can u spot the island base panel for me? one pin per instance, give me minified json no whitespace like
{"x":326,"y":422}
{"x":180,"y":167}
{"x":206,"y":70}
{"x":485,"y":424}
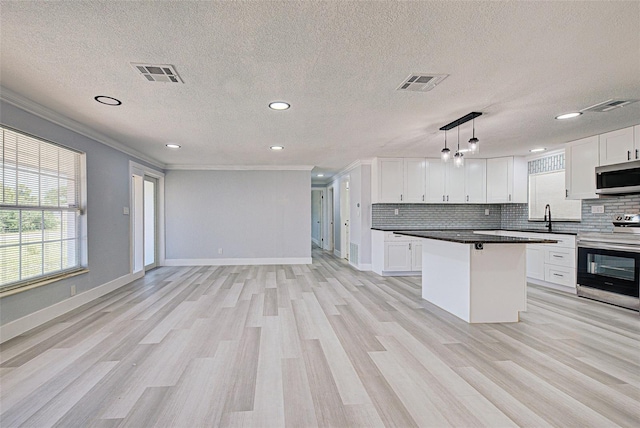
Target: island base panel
{"x":478,"y":286}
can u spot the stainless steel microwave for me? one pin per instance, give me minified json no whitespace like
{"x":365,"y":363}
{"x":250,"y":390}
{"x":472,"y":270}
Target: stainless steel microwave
{"x":618,"y":179}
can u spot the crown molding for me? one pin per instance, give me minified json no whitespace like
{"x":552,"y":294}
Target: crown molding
{"x":186,"y":167}
{"x":546,"y":154}
{"x":34,"y":108}
{"x":346,"y":170}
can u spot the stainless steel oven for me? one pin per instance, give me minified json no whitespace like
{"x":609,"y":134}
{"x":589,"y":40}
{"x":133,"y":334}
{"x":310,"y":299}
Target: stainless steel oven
{"x":609,"y":263}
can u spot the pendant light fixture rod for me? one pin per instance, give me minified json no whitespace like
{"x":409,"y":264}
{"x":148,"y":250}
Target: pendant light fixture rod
{"x":460,"y":121}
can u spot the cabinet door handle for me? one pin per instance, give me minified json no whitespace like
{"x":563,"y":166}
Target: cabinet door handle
{"x":447,"y":198}
{"x":400,"y":197}
{"x":442,"y":198}
{"x":467,"y":198}
{"x":509,"y":197}
{"x":557,"y":274}
{"x":422,"y":198}
{"x":628,"y":154}
{"x":560,"y":257}
{"x":566,"y":193}
{"x":636,"y":153}
{"x":409,"y":246}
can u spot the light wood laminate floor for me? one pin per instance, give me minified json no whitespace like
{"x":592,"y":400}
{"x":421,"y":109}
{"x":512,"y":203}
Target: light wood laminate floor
{"x":318,"y":345}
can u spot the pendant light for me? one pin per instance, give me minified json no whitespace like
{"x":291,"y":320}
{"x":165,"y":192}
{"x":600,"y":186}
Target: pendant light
{"x":473,"y":142}
{"x":445,"y":154}
{"x":458,"y":160}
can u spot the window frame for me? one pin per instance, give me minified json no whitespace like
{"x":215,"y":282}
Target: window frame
{"x":79,"y":209}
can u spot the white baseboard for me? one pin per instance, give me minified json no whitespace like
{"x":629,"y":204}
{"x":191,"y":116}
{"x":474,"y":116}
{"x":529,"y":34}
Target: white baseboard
{"x":566,"y":289}
{"x":239,"y":261}
{"x":362,"y":267}
{"x":315,"y":241}
{"x":337,"y":253}
{"x":28,"y":322}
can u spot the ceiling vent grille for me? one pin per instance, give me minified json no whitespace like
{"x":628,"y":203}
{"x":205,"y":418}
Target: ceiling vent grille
{"x":608,"y":105}
{"x":421,"y":82}
{"x":157,"y":72}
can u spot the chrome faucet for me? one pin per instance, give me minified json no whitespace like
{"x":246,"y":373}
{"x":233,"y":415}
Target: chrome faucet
{"x":547,"y":208}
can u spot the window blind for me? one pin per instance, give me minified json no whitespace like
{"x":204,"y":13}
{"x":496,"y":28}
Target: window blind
{"x":39,"y":209}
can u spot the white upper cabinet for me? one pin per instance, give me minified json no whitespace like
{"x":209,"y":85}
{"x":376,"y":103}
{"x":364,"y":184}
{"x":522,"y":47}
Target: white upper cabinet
{"x":507,"y":180}
{"x":618,"y":147}
{"x":436,"y":192}
{"x":454,"y":183}
{"x":581,"y":160}
{"x":475,"y":171}
{"x":389,"y":173}
{"x":445,"y":182}
{"x":414,"y":180}
{"x":398,"y":180}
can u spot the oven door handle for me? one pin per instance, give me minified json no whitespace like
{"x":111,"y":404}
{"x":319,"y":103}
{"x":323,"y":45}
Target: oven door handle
{"x":607,"y":246}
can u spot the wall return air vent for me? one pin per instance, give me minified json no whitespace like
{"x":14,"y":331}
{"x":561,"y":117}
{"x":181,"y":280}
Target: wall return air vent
{"x":608,"y":105}
{"x":421,"y":82}
{"x":157,"y":72}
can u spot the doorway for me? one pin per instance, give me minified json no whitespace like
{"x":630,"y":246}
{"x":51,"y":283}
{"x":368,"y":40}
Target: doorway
{"x":317,"y":197}
{"x":330,"y":220}
{"x":344,"y":219}
{"x":147,"y":218}
{"x":150,"y":211}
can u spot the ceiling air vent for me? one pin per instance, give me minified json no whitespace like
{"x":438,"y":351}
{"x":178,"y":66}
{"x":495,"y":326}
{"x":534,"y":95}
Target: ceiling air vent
{"x":158,"y":72}
{"x":421,"y":82}
{"x":608,"y":105}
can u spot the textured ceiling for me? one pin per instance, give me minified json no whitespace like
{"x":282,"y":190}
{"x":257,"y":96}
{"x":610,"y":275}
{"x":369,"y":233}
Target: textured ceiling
{"x":337,"y":63}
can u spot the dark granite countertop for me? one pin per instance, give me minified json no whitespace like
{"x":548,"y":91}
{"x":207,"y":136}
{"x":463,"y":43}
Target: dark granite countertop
{"x":397,"y":229}
{"x":468,"y":237}
{"x":558,"y":232}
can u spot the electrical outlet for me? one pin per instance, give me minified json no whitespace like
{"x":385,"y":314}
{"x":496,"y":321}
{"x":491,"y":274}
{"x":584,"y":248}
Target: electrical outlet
{"x":125,"y":210}
{"x":597,"y":209}
{"x":395,"y":211}
{"x":486,"y":211}
{"x":73,"y":290}
{"x":219,"y":250}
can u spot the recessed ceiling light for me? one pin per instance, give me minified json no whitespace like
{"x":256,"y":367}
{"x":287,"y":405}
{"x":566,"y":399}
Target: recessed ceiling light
{"x":173,"y":146}
{"x":320,"y":175}
{"x":279,"y":105}
{"x":541,"y":149}
{"x":276,"y":148}
{"x":110,"y":101}
{"x":569,"y":115}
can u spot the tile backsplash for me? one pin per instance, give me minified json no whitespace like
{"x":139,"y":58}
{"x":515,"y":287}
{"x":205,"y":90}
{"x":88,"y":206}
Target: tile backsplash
{"x":501,"y":216}
{"x":436,"y":216}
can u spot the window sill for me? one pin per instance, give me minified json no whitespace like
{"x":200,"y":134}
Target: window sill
{"x":31,"y":286}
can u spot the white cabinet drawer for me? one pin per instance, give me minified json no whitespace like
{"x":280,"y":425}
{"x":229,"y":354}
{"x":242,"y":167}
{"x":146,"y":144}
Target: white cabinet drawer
{"x":392,"y":237}
{"x":560,"y":275}
{"x":559,"y":256}
{"x":563,"y":240}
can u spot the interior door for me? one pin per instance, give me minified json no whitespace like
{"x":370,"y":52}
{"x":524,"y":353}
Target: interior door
{"x":316,"y":217}
{"x":150,"y":223}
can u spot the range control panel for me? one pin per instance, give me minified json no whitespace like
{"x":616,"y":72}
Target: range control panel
{"x":626,"y":220}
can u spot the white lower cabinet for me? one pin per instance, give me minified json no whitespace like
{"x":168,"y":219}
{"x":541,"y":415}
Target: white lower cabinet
{"x":416,"y":255}
{"x":395,"y":254}
{"x":550,"y":264}
{"x":560,"y":275}
{"x":535,"y":261}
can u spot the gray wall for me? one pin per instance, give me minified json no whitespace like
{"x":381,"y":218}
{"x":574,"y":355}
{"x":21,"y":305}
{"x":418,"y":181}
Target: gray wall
{"x":360,"y":215}
{"x":107,"y":227}
{"x":249,"y":214}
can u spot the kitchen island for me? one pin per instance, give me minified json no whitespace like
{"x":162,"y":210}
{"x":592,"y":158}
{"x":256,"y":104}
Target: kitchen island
{"x":478,"y":278}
